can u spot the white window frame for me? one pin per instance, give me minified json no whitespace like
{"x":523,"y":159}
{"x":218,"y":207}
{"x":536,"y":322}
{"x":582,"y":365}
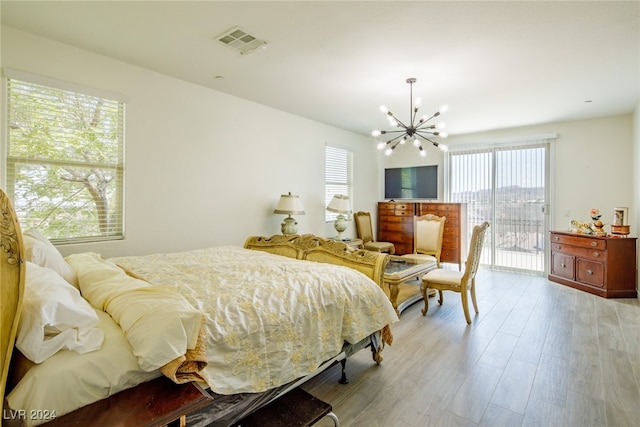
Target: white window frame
{"x":114,"y":165}
{"x":338,"y":177}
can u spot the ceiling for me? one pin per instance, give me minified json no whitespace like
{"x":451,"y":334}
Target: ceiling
{"x":496,"y":64}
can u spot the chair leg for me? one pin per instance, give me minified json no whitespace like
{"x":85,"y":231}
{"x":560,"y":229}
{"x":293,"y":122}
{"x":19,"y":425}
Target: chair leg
{"x":425,"y":296}
{"x":473,"y":295}
{"x":465,"y":304}
{"x":441,"y":299}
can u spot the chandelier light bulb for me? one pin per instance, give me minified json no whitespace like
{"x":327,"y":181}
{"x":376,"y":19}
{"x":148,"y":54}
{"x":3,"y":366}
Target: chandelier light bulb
{"x":416,"y":143}
{"x":443,"y":109}
{"x":388,"y":151}
{"x":384,"y":109}
{"x":441,"y":125}
{"x":403,"y":140}
{"x":381,"y":145}
{"x":443,"y":134}
{"x":417,"y":103}
{"x":443,"y":147}
{"x":376,"y":133}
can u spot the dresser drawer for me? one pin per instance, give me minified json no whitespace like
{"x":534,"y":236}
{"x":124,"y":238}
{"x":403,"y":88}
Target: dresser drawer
{"x":450,"y":255}
{"x":583,"y":241}
{"x":395,"y":236}
{"x":580,"y":251}
{"x":590,"y":272}
{"x":450,"y":242}
{"x":403,"y":219}
{"x":386,"y":207}
{"x":426,"y":208}
{"x":405,"y":226}
{"x":403,"y":248}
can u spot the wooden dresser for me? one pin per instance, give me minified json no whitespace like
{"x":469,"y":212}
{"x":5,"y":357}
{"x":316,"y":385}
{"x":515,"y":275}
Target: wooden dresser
{"x":395,"y":225}
{"x":604,"y":266}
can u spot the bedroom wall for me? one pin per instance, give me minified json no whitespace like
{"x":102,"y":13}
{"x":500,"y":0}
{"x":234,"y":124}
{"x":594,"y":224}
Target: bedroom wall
{"x":202,"y":168}
{"x":591,"y":164}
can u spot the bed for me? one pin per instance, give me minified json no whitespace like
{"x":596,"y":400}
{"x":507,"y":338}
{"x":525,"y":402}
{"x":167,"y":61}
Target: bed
{"x":249,"y":323}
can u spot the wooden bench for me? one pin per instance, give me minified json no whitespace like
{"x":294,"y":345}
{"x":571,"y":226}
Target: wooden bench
{"x":296,"y":408}
{"x":155,"y":403}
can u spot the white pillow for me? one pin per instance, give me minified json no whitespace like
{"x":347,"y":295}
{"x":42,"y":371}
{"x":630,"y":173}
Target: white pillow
{"x":54,"y":316}
{"x":39,"y":250}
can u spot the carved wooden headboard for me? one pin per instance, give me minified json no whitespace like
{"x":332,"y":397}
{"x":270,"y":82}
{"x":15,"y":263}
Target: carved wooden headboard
{"x":313,"y":248}
{"x":12,"y":276}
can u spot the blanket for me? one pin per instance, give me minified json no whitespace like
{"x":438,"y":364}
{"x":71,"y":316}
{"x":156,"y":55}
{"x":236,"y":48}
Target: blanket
{"x":270,"y":319}
{"x":165,"y":331}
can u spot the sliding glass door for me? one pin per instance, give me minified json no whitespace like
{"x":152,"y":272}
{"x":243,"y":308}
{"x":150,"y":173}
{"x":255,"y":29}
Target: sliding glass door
{"x":506,"y":185}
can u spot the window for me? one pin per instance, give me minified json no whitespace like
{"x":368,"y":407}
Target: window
{"x":338,"y":177}
{"x":65,"y":161}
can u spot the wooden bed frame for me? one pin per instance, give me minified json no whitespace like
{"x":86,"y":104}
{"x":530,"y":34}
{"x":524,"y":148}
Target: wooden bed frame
{"x":12,"y":274}
{"x":12,"y":277}
{"x":313,"y":248}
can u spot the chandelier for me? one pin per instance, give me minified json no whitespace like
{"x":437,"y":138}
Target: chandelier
{"x":415,"y":130}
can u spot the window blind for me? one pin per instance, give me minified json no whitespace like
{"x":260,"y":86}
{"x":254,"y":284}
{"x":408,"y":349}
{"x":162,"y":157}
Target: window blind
{"x":338,"y":176}
{"x":506,"y":185}
{"x":65,"y":161}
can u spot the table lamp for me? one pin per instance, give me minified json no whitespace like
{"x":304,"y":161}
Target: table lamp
{"x":340,"y":205}
{"x":289,"y":205}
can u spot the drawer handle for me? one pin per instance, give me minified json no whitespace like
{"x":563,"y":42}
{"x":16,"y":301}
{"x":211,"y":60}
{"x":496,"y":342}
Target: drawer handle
{"x":594,"y":243}
{"x":596,"y":254}
{"x":563,"y":265}
{"x":589,"y":272}
{"x":556,"y":238}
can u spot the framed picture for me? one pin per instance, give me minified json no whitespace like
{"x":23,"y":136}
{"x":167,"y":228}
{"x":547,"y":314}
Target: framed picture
{"x":620,"y":216}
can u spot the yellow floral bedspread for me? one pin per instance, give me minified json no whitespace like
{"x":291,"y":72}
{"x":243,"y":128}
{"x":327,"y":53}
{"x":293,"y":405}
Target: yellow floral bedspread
{"x":270,"y":319}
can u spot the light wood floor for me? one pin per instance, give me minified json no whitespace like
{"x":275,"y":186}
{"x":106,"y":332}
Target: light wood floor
{"x":537,"y":354}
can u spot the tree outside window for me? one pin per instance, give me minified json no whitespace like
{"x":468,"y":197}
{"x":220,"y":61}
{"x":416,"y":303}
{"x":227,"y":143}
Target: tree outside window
{"x":65,"y":162}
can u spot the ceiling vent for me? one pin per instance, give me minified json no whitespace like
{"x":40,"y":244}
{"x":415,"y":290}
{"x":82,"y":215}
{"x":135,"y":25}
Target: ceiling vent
{"x":241,"y":41}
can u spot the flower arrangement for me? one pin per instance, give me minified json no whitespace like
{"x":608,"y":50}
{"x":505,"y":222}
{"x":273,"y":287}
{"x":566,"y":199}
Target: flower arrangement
{"x":595,"y":214}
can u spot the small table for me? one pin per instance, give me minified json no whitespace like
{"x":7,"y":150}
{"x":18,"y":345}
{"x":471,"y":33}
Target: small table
{"x":398,"y":273}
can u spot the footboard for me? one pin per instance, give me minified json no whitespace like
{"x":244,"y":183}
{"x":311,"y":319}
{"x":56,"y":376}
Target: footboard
{"x":313,"y":248}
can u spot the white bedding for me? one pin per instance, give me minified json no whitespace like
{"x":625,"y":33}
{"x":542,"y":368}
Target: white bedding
{"x":270,"y":319}
{"x":50,"y":389}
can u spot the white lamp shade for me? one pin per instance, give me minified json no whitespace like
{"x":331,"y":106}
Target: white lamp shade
{"x":339,"y":204}
{"x":289,"y":205}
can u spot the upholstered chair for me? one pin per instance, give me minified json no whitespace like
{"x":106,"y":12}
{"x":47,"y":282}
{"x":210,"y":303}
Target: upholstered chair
{"x":453,"y":280}
{"x":427,"y":238}
{"x":365,"y":233}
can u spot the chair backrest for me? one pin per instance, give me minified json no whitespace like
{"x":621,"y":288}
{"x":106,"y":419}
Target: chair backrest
{"x":363,"y":226}
{"x":427,"y":234}
{"x":475,"y":250}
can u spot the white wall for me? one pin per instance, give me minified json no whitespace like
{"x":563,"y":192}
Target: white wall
{"x":591,"y":166}
{"x":202,"y":168}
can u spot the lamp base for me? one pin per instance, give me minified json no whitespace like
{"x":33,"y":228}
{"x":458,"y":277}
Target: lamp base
{"x":289,"y":226}
{"x":340,"y":225}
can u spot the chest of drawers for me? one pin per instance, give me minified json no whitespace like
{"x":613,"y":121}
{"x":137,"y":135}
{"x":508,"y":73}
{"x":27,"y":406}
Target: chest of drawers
{"x":604,"y":266}
{"x":395,"y":225}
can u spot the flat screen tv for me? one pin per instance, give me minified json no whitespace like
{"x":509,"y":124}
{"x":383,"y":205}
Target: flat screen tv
{"x":418,"y":182}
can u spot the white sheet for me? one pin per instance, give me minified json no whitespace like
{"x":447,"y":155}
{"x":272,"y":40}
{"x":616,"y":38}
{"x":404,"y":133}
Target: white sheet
{"x":68,"y":380}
